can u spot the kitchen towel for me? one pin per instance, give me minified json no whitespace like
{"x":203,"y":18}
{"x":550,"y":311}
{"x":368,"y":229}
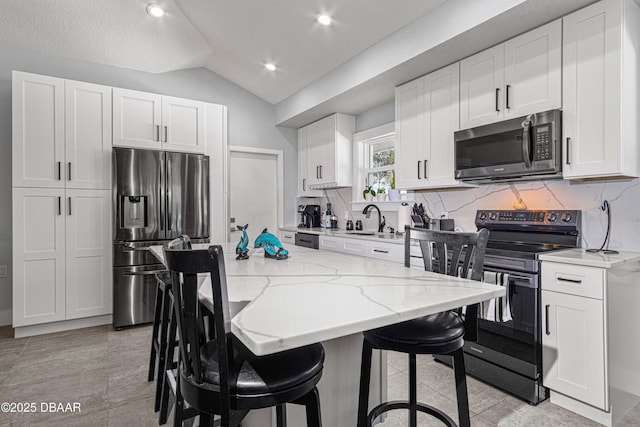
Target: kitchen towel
{"x":497,"y":309}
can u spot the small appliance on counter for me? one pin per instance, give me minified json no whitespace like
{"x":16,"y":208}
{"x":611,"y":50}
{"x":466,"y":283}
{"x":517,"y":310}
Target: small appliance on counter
{"x":349,"y":225}
{"x":310,"y":215}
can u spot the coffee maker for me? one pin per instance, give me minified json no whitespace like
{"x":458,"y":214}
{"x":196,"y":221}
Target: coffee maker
{"x":310,"y":216}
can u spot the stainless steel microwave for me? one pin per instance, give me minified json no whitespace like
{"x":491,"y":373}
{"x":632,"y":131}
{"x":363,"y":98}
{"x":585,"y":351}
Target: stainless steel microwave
{"x":519,"y":149}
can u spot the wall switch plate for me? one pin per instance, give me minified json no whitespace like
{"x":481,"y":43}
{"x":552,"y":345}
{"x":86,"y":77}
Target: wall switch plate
{"x":3,"y":271}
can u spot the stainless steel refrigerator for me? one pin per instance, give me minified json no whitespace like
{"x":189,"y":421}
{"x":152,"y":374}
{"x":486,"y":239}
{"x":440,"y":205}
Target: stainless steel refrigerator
{"x":157,"y":196}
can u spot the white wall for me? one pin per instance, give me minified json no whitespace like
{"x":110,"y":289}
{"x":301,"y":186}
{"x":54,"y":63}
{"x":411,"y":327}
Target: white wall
{"x":251,"y":123}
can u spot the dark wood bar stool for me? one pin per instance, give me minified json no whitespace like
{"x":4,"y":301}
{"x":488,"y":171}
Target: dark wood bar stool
{"x":221,"y":376}
{"x":454,"y":254}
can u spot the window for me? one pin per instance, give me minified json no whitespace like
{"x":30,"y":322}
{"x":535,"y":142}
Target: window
{"x":379,"y":162}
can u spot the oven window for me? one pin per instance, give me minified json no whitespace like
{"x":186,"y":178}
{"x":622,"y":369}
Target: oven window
{"x":493,"y":150}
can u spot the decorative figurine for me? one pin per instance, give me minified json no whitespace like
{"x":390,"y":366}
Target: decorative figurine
{"x":271,"y":245}
{"x":241,"y":248}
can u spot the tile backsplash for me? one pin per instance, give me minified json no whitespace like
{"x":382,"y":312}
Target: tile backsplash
{"x":623,"y":197}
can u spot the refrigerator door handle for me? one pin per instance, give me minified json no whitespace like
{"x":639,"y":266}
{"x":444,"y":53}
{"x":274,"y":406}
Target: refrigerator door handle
{"x":169,"y":192}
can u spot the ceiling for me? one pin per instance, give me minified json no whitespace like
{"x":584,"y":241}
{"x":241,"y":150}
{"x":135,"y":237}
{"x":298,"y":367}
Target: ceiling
{"x":229,"y":37}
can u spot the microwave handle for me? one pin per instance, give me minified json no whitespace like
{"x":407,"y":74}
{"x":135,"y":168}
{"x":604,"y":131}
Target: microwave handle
{"x":526,"y":144}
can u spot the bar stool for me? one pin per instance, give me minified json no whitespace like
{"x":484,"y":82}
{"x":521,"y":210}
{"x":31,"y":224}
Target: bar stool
{"x":159,"y":334}
{"x":454,"y":254}
{"x":221,"y":376}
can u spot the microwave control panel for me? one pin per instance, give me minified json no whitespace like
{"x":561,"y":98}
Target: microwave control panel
{"x":543,"y":142}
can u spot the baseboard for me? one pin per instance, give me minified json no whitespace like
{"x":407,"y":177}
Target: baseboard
{"x":6,"y":317}
{"x":65,"y":325}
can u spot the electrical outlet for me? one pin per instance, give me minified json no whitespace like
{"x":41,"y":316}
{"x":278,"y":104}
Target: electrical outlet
{"x":3,"y":271}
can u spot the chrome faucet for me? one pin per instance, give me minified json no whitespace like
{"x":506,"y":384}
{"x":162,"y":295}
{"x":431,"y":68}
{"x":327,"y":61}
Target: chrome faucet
{"x":381,"y":219}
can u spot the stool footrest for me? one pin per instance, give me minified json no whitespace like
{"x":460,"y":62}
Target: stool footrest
{"x":404,"y":404}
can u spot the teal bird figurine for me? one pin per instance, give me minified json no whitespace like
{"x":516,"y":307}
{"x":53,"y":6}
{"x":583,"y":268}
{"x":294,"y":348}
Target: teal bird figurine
{"x":241,"y":249}
{"x":271,"y":245}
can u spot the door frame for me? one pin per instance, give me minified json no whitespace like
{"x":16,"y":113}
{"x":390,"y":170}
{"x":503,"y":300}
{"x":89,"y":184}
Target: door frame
{"x":279,"y":154}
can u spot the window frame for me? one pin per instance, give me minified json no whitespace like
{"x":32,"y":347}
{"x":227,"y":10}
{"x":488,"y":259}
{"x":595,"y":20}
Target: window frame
{"x":361,"y":141}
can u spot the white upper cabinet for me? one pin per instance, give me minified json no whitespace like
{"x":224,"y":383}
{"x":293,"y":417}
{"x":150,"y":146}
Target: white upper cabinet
{"x":61,"y":133}
{"x":533,"y":71}
{"x":600,"y":91}
{"x":330,"y":152}
{"x":87,"y":136}
{"x":515,"y":78}
{"x":427,"y":115}
{"x":148,"y":120}
{"x":38,"y":130}
{"x":303,"y":164}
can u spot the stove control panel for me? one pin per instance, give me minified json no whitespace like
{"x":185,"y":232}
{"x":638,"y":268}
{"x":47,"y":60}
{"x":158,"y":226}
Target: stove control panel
{"x":521,"y":219}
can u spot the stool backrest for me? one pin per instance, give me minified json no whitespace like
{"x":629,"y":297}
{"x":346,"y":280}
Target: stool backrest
{"x":454,"y":254}
{"x":184,"y":266}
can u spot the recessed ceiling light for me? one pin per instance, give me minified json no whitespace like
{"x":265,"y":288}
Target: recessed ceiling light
{"x":155,"y":10}
{"x":324,"y":19}
{"x":269,"y":66}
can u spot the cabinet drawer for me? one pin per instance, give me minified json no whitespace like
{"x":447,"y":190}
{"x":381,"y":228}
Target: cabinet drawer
{"x":329,"y":243}
{"x":385,"y":251}
{"x":288,"y":237}
{"x":573,"y":279}
{"x":352,"y":246}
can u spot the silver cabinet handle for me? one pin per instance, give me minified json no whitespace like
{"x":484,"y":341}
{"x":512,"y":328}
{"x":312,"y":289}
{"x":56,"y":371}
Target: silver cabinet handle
{"x":564,"y":279}
{"x":59,"y":171}
{"x":157,"y":136}
{"x":69,"y":206}
{"x":547,"y":329}
{"x":59,"y":205}
{"x":419,"y":169}
{"x":69,"y":168}
{"x":166,"y":134}
{"x":380,"y":251}
{"x":568,"y":152}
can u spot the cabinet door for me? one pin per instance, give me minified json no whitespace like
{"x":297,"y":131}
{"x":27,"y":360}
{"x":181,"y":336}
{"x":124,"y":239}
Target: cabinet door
{"x":38,"y":256}
{"x":410,"y":139}
{"x":318,"y":138}
{"x":328,"y":243}
{"x":481,"y":87}
{"x":327,"y":149}
{"x":136,"y":119}
{"x":591,"y":91}
{"x":89,"y":281}
{"x":442,"y":119}
{"x":38,"y":130}
{"x":182,"y":125}
{"x":573,"y":347}
{"x":88,"y":135}
{"x":533,"y":77}
{"x":303,"y":165}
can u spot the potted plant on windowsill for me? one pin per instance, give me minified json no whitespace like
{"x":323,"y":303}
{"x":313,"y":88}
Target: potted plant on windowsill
{"x":394,"y":195}
{"x":369,"y":193}
{"x":381,"y":195}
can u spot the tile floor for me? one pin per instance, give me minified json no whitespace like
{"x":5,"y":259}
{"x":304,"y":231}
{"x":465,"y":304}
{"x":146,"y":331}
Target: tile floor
{"x":106,"y":371}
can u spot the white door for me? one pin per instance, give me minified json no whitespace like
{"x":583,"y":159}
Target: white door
{"x":591,"y":91}
{"x":442,"y":119}
{"x":38,"y":256}
{"x":481,"y":86}
{"x":38,"y":130}
{"x":136,"y":119}
{"x":410,"y":143}
{"x":88,"y":135}
{"x":573,"y":347}
{"x":88,"y":253}
{"x":253,"y":193}
{"x":533,"y":75}
{"x":182,"y":125}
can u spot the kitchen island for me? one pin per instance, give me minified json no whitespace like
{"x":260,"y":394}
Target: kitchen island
{"x":317,"y":296}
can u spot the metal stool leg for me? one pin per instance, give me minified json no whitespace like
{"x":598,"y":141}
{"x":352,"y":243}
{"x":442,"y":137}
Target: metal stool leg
{"x":281,"y":415}
{"x":365,"y":380}
{"x":162,"y":352}
{"x":169,"y":364}
{"x":413,"y":399}
{"x":154,"y":334}
{"x":461,"y":388}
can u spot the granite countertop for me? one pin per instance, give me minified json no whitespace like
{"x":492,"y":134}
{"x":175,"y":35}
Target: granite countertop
{"x":590,"y":259}
{"x":315,"y":296}
{"x":375,"y":236}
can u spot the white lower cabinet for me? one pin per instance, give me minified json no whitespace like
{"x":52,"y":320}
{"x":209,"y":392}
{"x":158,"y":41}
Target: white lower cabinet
{"x":358,"y":247}
{"x":61,"y":255}
{"x":385,"y":251}
{"x":352,"y":247}
{"x":288,"y":237}
{"x":329,"y":243}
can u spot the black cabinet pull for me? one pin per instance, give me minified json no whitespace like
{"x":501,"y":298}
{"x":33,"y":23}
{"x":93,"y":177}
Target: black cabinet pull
{"x":546,"y":311}
{"x":380,"y":251}
{"x":69,"y":171}
{"x":166,"y":134}
{"x":507,"y":103}
{"x":59,"y":205}
{"x":564,"y":279}
{"x":497,"y":98}
{"x":59,"y":171}
{"x":304,"y":184}
{"x":419,"y":169}
{"x":425,"y":169}
{"x":568,"y":152}
{"x":157,"y":137}
{"x":69,"y":206}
